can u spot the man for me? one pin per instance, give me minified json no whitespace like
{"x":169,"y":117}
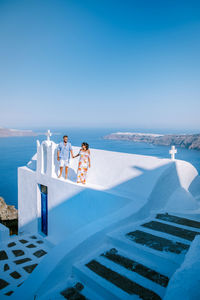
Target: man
{"x":63,"y":155}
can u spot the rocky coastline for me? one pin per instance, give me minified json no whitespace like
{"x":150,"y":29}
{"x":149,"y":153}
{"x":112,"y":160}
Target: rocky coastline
{"x":9,"y":216}
{"x":188,"y":141}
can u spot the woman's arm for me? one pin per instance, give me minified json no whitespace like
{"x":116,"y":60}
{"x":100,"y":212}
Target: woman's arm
{"x":77,"y":154}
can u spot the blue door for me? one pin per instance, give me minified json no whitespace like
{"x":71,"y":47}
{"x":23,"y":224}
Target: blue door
{"x":44,"y":209}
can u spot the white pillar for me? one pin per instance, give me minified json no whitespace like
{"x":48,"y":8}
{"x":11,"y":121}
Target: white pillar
{"x":45,"y":156}
{"x":39,"y":157}
{"x":50,"y":159}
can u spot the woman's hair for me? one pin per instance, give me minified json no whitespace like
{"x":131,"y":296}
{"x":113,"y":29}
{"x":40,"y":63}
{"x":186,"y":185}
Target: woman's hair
{"x":86,"y":145}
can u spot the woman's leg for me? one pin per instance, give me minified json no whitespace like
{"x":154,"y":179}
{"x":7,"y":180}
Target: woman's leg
{"x":84,"y":174}
{"x":78,"y":176}
{"x":79,"y":172}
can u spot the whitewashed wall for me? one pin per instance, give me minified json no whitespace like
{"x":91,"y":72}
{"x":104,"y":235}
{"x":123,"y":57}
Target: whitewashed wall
{"x":114,"y":180}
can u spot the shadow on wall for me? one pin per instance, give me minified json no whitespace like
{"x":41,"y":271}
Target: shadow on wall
{"x":147,"y":192}
{"x":90,"y":205}
{"x":169,"y":195}
{"x":166,"y":185}
{"x":194,"y":188}
{"x":140,"y":186}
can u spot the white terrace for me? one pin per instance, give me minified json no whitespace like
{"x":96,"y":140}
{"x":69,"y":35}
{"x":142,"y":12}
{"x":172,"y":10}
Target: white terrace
{"x":82,"y":232}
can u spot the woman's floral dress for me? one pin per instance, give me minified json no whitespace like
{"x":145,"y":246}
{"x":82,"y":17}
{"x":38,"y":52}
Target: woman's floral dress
{"x":83,"y":166}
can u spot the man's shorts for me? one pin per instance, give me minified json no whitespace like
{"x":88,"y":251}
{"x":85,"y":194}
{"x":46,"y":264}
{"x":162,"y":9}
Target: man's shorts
{"x":64,"y":163}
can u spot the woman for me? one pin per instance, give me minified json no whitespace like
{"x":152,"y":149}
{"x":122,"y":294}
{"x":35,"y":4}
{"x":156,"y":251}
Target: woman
{"x":84,"y":163}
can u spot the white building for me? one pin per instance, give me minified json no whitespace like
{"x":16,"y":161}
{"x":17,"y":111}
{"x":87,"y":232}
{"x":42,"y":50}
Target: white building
{"x":58,"y":207}
{"x":78,"y":223}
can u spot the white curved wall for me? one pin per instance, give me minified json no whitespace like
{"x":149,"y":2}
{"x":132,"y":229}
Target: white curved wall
{"x":146,"y":184}
{"x":113,"y":181}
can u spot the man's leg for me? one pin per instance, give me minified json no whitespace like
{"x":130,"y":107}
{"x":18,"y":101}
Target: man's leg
{"x":66,"y":172}
{"x":61,"y":169}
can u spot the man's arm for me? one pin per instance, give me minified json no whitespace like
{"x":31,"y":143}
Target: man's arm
{"x":58,"y":153}
{"x":72,"y":153}
{"x":70,"y":149}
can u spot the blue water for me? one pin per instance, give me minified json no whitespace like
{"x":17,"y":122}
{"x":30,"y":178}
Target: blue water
{"x":17,"y":151}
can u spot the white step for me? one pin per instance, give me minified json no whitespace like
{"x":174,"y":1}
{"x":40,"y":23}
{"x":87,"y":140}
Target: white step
{"x":55,"y":293}
{"x":149,"y":260}
{"x":177,"y":225}
{"x":101,"y":286}
{"x":162,"y":262}
{"x":163,"y":235}
{"x":143,"y":281}
{"x":90,"y":294}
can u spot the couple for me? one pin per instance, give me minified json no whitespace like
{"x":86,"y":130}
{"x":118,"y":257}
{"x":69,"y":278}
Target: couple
{"x":63,"y":156}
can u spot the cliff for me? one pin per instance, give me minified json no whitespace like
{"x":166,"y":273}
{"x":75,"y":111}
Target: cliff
{"x":9,"y":216}
{"x":7,"y":212}
{"x":189,"y":141}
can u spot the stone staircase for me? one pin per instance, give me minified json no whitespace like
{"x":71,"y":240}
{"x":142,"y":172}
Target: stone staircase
{"x":19,"y":256}
{"x":135,"y":262}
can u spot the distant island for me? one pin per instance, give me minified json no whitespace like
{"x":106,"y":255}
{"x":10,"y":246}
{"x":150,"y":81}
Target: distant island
{"x":5,"y":132}
{"x":189,"y":141}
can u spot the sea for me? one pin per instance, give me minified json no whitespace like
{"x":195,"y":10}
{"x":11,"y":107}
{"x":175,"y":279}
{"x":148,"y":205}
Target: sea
{"x":18,"y":151}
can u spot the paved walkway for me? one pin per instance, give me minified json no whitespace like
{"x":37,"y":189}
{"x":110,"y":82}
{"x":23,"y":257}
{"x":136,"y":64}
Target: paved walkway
{"x":134,"y":260}
{"x":19,"y":256}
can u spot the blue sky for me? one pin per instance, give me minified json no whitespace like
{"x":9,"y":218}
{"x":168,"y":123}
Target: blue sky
{"x":100,"y":63}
